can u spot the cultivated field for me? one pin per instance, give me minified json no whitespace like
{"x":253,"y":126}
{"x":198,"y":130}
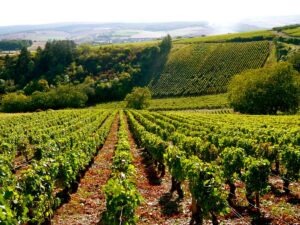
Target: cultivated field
{"x":197,"y":69}
{"x":68,"y":166}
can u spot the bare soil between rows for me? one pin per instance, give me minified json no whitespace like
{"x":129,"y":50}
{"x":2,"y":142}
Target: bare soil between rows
{"x":88,"y":203}
{"x":160,"y":207}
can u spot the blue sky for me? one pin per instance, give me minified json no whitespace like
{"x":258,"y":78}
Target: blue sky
{"x":15,"y":12}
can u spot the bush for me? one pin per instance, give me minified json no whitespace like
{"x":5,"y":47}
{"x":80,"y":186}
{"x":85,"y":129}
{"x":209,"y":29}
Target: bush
{"x":61,"y":97}
{"x":14,"y":102}
{"x":266,"y":90}
{"x":295,"y":61}
{"x":139,"y":98}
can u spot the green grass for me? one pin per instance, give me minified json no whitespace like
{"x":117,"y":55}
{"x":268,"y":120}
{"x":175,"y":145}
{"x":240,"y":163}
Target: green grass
{"x":183,"y":103}
{"x":295,"y":32}
{"x":199,"y":102}
{"x":227,"y":37}
{"x":206,"y":68}
{"x":112,"y":105}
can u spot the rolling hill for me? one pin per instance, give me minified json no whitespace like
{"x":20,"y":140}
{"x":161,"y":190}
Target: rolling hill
{"x":206,"y":68}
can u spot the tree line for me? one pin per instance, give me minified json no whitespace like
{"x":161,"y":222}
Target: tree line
{"x":98,"y":73}
{"x":14,"y":45}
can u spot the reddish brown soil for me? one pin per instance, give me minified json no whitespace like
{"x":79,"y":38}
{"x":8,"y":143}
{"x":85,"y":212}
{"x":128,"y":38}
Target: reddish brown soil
{"x":88,"y":202}
{"x":159,"y":207}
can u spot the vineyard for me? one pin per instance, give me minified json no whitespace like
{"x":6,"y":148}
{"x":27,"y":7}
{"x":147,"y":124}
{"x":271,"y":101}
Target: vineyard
{"x":206,"y":68}
{"x":96,"y":166}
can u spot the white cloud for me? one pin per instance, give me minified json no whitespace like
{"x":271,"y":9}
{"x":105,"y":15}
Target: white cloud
{"x":53,"y":11}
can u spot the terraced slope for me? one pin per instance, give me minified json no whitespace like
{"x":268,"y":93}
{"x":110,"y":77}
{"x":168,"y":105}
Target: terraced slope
{"x":206,"y":68}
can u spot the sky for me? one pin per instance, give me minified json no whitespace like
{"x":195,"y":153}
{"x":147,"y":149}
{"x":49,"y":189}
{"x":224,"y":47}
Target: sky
{"x":21,"y":12}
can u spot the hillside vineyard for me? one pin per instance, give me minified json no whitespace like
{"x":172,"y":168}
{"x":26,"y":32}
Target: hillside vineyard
{"x":206,"y":68}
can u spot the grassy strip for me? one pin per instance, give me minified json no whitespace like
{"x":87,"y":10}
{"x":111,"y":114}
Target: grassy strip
{"x":200,"y":102}
{"x":219,"y":101}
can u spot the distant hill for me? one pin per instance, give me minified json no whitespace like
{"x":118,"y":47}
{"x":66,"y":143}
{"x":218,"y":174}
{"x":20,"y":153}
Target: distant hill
{"x":180,"y":67}
{"x":206,"y":68}
{"x":133,"y":32}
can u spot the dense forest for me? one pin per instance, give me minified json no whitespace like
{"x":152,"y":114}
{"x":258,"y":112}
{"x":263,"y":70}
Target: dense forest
{"x":83,"y":74}
{"x":13,"y":45}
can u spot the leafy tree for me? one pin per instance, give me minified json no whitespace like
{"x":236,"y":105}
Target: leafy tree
{"x":24,"y":66}
{"x":12,"y":45}
{"x":8,"y":69}
{"x":55,"y":58}
{"x":166,"y":44}
{"x":265,"y":90}
{"x":14,"y":102}
{"x":41,"y":85}
{"x":139,"y":98}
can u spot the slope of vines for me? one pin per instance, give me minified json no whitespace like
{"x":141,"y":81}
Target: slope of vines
{"x":219,"y":150}
{"x":196,"y":69}
{"x":42,"y":156}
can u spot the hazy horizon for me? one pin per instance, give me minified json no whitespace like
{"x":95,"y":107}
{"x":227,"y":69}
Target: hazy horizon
{"x":33,"y":12}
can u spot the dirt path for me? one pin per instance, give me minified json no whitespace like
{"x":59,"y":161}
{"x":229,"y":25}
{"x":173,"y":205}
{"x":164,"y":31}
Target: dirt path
{"x":87,"y":204}
{"x":158,"y":207}
{"x":281,"y":34}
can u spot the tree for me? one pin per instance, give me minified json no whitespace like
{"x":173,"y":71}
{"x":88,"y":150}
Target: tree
{"x":14,"y":102}
{"x":266,"y":90}
{"x":139,"y":98}
{"x":166,"y":44}
{"x":24,"y":66}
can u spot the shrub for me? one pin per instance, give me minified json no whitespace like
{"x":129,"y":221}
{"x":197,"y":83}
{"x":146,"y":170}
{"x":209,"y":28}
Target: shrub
{"x":139,"y":98}
{"x":266,"y":90}
{"x":14,"y":102}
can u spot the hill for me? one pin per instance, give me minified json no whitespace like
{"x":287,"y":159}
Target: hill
{"x":133,"y":32}
{"x":206,"y":68}
{"x":88,"y":74}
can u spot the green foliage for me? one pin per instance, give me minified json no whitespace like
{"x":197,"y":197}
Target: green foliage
{"x":166,"y":44}
{"x":40,"y":85}
{"x":205,"y":183}
{"x":182,"y":103}
{"x":7,"y":216}
{"x":175,"y":160}
{"x":206,"y":68}
{"x":139,"y":98}
{"x":66,"y":145}
{"x":122,"y":197}
{"x":295,"y":61}
{"x":291,"y":161}
{"x":13,"y":45}
{"x":232,"y":162}
{"x":293,"y":30}
{"x":65,"y":96}
{"x":14,"y":102}
{"x":235,"y":37}
{"x":266,"y":90}
{"x":256,"y":174}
